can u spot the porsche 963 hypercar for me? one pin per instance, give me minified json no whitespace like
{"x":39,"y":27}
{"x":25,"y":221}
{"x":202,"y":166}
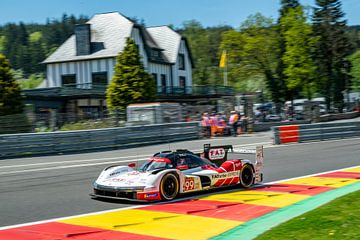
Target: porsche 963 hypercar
{"x":171,"y":173}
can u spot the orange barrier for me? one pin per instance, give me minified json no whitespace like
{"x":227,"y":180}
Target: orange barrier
{"x":289,"y":134}
{"x":217,"y":130}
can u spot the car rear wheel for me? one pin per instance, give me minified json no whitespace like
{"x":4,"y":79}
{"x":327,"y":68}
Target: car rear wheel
{"x":246,"y":176}
{"x":169,"y":187}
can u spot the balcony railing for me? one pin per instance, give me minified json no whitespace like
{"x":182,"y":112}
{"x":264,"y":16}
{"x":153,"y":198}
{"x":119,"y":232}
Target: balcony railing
{"x":93,"y":89}
{"x":195,"y":91}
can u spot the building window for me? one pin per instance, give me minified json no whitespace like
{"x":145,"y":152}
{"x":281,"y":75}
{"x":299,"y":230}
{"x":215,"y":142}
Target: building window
{"x":182,"y":82}
{"x":155,"y":53}
{"x":181,"y":62}
{"x":99,"y":78}
{"x":68,"y":80}
{"x":163,"y":83}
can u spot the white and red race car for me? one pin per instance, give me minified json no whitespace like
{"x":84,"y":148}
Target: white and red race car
{"x":171,"y":173}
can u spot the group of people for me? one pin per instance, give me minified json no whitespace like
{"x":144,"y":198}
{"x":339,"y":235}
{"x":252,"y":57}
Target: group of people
{"x":218,"y":124}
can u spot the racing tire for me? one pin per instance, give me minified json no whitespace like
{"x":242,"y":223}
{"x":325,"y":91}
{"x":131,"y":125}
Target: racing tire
{"x":247,"y":176}
{"x":169,"y":187}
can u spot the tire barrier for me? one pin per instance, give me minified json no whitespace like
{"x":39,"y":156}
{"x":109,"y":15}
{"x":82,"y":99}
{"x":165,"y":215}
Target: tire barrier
{"x":30,"y":144}
{"x":315,"y":132}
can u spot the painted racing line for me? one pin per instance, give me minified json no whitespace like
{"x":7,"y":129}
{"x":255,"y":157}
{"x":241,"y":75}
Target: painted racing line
{"x":240,"y":214}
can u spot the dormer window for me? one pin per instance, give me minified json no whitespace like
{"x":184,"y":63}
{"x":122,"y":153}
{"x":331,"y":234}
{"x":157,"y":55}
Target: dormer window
{"x":155,"y":53}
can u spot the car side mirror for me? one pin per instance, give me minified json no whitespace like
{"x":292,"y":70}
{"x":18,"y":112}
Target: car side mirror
{"x":132,"y":165}
{"x":182,"y":167}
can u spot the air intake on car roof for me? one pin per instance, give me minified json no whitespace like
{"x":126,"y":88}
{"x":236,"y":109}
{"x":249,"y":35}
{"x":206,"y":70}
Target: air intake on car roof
{"x":83,"y":39}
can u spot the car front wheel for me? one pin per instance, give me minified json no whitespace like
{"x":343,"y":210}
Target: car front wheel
{"x":169,"y":187}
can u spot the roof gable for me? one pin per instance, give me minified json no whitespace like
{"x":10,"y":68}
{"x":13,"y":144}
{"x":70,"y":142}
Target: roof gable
{"x":167,"y":39}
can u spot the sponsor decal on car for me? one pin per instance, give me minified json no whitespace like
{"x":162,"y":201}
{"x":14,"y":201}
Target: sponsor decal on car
{"x":225,"y":175}
{"x":217,"y":153}
{"x":117,"y":179}
{"x":151,"y":195}
{"x":117,"y":172}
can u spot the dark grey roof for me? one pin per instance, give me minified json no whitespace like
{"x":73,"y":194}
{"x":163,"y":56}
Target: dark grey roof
{"x":110,"y":31}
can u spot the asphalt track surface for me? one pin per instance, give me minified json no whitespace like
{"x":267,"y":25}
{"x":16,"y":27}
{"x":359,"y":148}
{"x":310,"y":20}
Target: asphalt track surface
{"x":40,"y":188}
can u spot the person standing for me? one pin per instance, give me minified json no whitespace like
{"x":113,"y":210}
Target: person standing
{"x":233,"y":122}
{"x":205,"y":124}
{"x":244,"y":124}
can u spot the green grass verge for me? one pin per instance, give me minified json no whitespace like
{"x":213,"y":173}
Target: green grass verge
{"x":339,"y":219}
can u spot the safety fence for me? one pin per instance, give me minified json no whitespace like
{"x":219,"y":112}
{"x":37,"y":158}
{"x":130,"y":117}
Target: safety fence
{"x":13,"y":145}
{"x":315,"y":132}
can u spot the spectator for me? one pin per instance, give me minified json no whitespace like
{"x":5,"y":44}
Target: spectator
{"x":244,"y":124}
{"x":233,"y":122}
{"x":205,"y":124}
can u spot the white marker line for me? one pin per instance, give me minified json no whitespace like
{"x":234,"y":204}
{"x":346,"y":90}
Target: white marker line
{"x":138,"y":206}
{"x":72,"y":161}
{"x":98,"y":159}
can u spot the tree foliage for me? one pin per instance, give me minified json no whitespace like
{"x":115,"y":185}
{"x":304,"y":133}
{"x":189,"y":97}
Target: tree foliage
{"x":355,"y":71}
{"x":204,"y":44}
{"x":299,"y":67}
{"x":332,"y":49}
{"x":10,"y":93}
{"x":27,"y":45}
{"x":253,"y":50}
{"x":281,"y":29}
{"x":130,"y":83}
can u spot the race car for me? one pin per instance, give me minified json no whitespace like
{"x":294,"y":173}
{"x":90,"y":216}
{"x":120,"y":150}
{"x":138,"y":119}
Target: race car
{"x":169,"y":174}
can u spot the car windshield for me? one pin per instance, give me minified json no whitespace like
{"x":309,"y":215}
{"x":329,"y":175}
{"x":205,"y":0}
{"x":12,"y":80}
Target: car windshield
{"x":153,"y":164}
{"x":208,"y":162}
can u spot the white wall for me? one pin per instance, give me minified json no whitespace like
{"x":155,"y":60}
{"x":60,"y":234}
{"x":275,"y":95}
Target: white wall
{"x":187,"y":73}
{"x":136,"y":36}
{"x":161,"y":69}
{"x":82,"y":69}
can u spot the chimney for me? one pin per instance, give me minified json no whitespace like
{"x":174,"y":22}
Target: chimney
{"x":83,"y":39}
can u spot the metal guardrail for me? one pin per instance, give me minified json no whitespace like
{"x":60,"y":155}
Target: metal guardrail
{"x":315,"y":132}
{"x":17,"y":145}
{"x":205,"y":90}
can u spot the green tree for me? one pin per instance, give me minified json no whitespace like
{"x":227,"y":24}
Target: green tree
{"x":130,"y":83}
{"x":2,"y":44}
{"x":300,"y":69}
{"x":281,"y":28}
{"x":37,"y":52}
{"x":10,"y":93}
{"x":253,"y":51}
{"x":332,"y":49}
{"x":204,"y":44}
{"x":32,"y":82}
{"x":355,"y":71}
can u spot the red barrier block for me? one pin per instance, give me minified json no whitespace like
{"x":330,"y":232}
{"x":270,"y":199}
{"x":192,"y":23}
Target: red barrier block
{"x":62,"y":231}
{"x":289,"y":134}
{"x":214,"y":209}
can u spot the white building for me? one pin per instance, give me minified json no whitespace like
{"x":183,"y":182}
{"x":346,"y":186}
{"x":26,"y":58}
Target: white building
{"x":88,"y":57}
{"x":78,"y":72}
